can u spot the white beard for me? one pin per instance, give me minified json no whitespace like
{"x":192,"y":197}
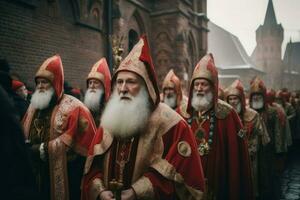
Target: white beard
{"x":238,"y":108}
{"x":170,"y":101}
{"x":125,"y":118}
{"x":41,"y":100}
{"x":92,"y":100}
{"x":201,"y":103}
{"x":256,"y":105}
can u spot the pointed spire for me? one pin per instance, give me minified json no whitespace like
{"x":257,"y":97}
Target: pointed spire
{"x":270,"y":18}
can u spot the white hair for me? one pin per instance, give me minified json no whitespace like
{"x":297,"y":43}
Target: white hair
{"x":202,"y":102}
{"x":171,"y":101}
{"x":125,"y":118}
{"x":257,"y":104}
{"x":92,"y":99}
{"x":41,"y":99}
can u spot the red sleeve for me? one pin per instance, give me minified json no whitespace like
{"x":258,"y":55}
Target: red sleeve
{"x":87,"y":179}
{"x":182,"y":164}
{"x":80,"y":130}
{"x":240,"y":184}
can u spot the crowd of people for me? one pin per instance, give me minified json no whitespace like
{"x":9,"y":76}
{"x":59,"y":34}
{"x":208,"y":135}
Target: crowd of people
{"x":127,"y":139}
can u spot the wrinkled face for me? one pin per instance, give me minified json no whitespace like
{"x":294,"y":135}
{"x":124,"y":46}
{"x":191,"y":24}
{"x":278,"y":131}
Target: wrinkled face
{"x":233,"y":100}
{"x":169,"y":90}
{"x":42,"y":84}
{"x":128,"y":85}
{"x":202,"y":86}
{"x":94,"y":84}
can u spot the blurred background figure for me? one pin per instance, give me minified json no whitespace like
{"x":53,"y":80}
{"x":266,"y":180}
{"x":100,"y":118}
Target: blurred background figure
{"x":16,"y":174}
{"x":6,"y":82}
{"x":20,"y":89}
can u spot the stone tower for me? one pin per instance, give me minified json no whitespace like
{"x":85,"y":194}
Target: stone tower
{"x":267,"y":53}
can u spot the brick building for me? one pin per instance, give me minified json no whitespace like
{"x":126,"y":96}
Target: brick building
{"x":79,"y":30}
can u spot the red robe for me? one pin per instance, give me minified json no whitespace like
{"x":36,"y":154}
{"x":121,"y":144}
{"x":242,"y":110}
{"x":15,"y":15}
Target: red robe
{"x":164,"y":161}
{"x":227,"y":165}
{"x":71,"y":126}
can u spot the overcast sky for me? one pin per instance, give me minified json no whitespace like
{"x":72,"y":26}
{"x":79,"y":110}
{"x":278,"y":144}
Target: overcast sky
{"x":242,"y":18}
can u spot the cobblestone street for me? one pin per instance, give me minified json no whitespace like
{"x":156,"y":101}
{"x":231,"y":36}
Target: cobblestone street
{"x":291,"y":176}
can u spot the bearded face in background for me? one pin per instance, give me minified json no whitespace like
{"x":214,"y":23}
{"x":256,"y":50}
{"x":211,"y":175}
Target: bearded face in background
{"x":170,"y":97}
{"x":93,"y":98}
{"x":128,"y":110}
{"x":202,"y":98}
{"x":257,"y":101}
{"x":43,"y":94}
{"x":235,"y":102}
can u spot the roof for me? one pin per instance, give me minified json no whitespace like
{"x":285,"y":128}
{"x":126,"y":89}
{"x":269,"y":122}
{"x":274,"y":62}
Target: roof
{"x":292,"y":56}
{"x":227,"y":49}
{"x":270,"y":18}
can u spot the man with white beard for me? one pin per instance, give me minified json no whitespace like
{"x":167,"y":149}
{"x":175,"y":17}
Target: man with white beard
{"x":172,"y":93}
{"x":254,"y":126}
{"x":98,"y":89}
{"x":58,"y":129}
{"x":269,"y":179}
{"x":147,"y":151}
{"x":221,"y":140}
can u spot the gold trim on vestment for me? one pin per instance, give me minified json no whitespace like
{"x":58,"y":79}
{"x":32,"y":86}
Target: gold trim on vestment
{"x":96,"y":188}
{"x":133,"y":63}
{"x":58,"y":170}
{"x":222,"y":109}
{"x":57,"y":147}
{"x":143,"y":188}
{"x":167,"y":170}
{"x":250,"y":115}
{"x":43,"y":72}
{"x":151,"y":145}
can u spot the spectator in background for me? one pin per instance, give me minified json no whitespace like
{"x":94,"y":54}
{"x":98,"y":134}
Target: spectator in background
{"x":16,"y":174}
{"x":6,"y":82}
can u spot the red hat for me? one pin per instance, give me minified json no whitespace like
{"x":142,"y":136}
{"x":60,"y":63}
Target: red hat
{"x":140,"y":62}
{"x":236,"y":89}
{"x":100,"y":71}
{"x":257,"y":86}
{"x":52,"y":70}
{"x":270,"y":97}
{"x":205,"y":69}
{"x":172,"y":78}
{"x":16,"y":84}
{"x":76,"y":91}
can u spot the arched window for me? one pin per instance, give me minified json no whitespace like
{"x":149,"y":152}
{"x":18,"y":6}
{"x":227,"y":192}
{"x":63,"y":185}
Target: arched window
{"x":133,"y":38}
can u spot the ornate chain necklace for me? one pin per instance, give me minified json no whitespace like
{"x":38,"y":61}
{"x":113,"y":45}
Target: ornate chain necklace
{"x":205,"y":146}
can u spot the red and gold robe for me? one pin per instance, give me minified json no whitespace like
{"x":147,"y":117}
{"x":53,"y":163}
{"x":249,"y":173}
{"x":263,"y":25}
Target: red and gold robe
{"x":163,"y":164}
{"x":71,"y":128}
{"x":227,"y":165}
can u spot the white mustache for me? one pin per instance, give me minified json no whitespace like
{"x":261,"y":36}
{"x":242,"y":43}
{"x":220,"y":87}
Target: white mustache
{"x":126,"y":95}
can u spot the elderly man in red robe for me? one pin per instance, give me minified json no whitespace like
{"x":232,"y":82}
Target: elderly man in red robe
{"x":148,"y":150}
{"x":98,"y":89}
{"x":221,"y":139}
{"x":269,"y":180}
{"x":172,"y":93}
{"x":58,"y":129}
{"x":254,"y":126}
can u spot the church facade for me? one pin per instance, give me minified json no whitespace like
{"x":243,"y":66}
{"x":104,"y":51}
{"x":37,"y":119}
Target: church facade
{"x":267,"y":53}
{"x":81,"y":31}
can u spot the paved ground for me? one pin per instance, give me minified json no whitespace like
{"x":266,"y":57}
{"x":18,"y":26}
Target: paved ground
{"x":291,"y":177}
